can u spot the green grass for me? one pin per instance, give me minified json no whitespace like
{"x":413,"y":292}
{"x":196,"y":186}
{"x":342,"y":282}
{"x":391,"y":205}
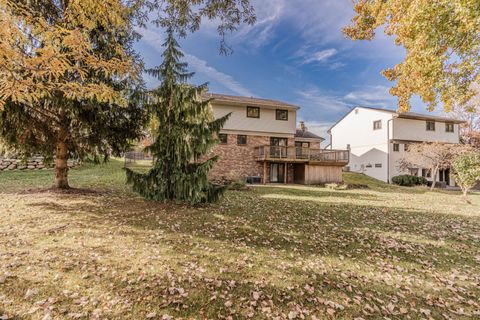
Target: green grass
{"x":286,"y":252}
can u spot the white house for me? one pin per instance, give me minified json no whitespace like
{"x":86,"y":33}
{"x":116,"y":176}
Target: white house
{"x":377,"y":138}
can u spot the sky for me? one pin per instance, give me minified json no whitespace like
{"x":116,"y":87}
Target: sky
{"x":295,"y":53}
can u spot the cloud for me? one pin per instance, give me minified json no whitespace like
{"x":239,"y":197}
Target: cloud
{"x":320,"y":56}
{"x":314,"y":99}
{"x":155,"y":40}
{"x":371,"y":96}
{"x":201,"y":66}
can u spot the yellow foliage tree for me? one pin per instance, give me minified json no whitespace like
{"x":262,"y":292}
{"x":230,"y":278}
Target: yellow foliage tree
{"x":66,"y":70}
{"x":442,"y":43}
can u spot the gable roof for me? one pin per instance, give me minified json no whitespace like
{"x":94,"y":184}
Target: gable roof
{"x":248,"y":101}
{"x":403,"y":115}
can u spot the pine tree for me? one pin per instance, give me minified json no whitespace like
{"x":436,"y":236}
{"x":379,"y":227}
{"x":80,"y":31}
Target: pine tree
{"x":186,"y":132}
{"x":68,"y":79}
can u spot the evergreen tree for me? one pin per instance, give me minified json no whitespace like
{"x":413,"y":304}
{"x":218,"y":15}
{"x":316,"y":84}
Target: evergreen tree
{"x":67,"y":79}
{"x":186,"y":132}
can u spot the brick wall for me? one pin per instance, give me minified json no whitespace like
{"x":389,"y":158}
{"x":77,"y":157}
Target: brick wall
{"x":237,"y":162}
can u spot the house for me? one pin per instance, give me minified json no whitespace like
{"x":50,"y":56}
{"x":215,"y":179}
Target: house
{"x":261,"y":142}
{"x":377,"y":139}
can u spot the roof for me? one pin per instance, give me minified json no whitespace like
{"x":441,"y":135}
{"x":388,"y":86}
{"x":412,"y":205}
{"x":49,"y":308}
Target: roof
{"x":404,"y":115}
{"x":250,"y":101}
{"x":305,"y":134}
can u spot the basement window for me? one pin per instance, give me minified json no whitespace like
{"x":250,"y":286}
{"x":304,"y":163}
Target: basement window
{"x":223,"y":138}
{"x":378,"y":165}
{"x":241,"y":140}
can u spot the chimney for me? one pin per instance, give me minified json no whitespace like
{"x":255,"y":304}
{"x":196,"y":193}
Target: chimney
{"x":302,"y":126}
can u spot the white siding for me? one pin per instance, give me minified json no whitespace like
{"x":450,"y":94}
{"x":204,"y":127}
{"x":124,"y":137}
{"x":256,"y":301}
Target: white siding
{"x":415,"y":130}
{"x":368,"y":147}
{"x":267,"y":123}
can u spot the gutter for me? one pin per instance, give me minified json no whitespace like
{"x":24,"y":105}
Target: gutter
{"x":388,"y":148}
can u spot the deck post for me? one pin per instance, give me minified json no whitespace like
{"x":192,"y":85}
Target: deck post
{"x":264,"y":172}
{"x":286,"y":173}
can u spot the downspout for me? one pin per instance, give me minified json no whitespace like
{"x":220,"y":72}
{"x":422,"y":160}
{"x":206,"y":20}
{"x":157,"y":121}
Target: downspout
{"x":388,"y":148}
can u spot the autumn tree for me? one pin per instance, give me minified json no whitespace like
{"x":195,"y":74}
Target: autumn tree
{"x":433,"y":156}
{"x":470,"y":114}
{"x":185,"y":131}
{"x":442,"y":44}
{"x":466,"y":169}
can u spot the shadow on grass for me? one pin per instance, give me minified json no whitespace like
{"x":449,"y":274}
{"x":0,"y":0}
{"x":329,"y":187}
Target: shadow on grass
{"x":296,"y":225}
{"x":292,"y":241}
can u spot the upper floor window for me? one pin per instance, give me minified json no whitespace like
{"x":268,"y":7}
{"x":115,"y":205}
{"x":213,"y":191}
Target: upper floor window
{"x":223,"y":138}
{"x":241,"y":140}
{"x":430,"y":125}
{"x":377,"y":125}
{"x":253,"y":112}
{"x":281,"y":114}
{"x":449,"y":127}
{"x":396,"y":147}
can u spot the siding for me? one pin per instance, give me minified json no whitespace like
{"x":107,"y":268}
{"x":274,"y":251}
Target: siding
{"x":415,"y":130}
{"x":367,"y":146}
{"x":267,"y":123}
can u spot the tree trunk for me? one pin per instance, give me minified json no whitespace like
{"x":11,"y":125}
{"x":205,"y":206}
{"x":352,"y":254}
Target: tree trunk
{"x":434,"y":177}
{"x":61,"y":165}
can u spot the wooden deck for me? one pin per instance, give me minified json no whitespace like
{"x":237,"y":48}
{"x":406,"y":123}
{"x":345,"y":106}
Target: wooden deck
{"x":302,"y":155}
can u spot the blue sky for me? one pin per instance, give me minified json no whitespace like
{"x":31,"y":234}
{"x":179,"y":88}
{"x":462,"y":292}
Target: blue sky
{"x":295,"y":53}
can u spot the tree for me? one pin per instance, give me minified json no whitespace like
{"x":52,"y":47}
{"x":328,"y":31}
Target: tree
{"x":433,"y":156}
{"x":441,"y":41}
{"x":470,"y":130}
{"x":68,"y":79}
{"x":186,"y":15}
{"x":186,"y":132}
{"x":467,"y":170}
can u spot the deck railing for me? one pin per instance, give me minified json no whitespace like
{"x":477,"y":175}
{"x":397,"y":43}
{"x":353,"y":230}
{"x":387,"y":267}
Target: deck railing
{"x":301,"y":154}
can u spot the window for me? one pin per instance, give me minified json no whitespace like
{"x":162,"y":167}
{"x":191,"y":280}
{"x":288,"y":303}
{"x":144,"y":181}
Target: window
{"x":378,"y":165}
{"x":413,"y":171}
{"x":369,"y":165}
{"x":223,"y":138}
{"x":405,"y":147}
{"x":426,"y":173}
{"x":396,"y":147}
{"x":281,"y":114}
{"x":449,"y":127}
{"x":241,"y":140}
{"x":253,"y":112}
{"x":430,"y":125}
{"x":377,"y":125}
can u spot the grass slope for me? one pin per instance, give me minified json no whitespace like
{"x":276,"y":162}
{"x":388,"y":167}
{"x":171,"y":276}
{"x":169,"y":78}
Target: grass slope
{"x":270,"y":252}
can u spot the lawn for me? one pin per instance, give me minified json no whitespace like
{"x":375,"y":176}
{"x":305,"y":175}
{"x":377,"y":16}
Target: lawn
{"x":269,"y":252}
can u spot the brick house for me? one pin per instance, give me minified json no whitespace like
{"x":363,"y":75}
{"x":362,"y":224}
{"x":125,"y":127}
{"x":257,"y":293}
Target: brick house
{"x":261,"y":142}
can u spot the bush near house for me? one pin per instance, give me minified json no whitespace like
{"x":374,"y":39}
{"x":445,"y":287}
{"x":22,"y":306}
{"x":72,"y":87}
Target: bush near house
{"x":407,"y":180}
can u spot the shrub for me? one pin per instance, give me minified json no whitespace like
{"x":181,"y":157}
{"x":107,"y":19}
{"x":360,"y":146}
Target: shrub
{"x":407,"y":180}
{"x":238,"y":185}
